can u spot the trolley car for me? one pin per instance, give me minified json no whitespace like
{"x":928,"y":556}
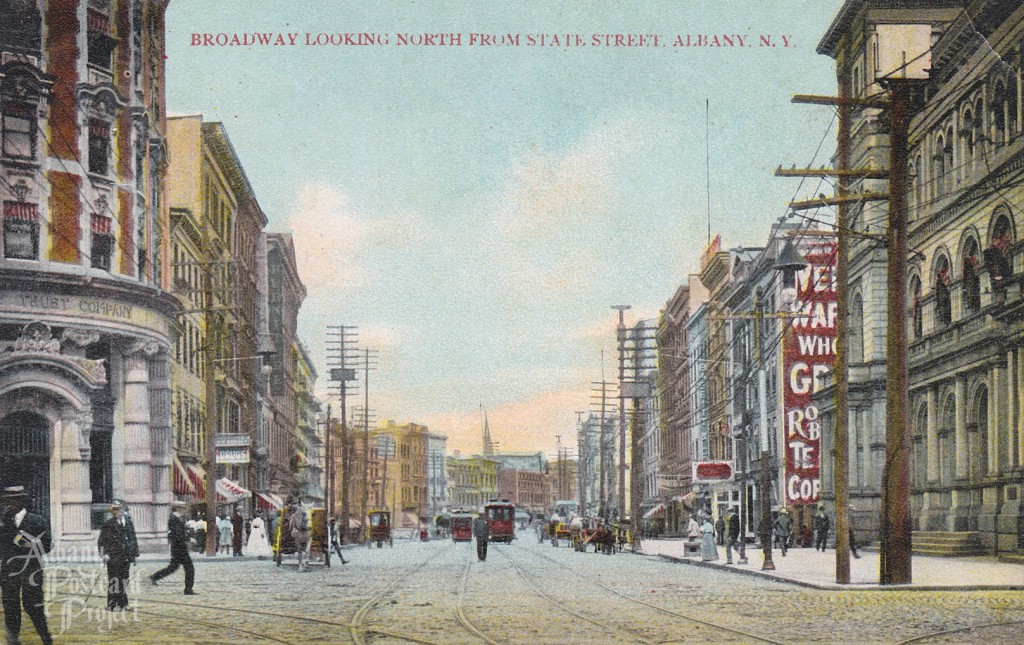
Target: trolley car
{"x":501,"y":521}
{"x":462,"y":527}
{"x":379,"y":530}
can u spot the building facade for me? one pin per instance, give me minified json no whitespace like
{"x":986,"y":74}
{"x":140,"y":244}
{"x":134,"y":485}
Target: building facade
{"x":86,"y":321}
{"x":964,"y":329}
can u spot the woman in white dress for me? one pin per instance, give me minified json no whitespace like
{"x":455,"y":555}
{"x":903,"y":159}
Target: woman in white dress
{"x":258,"y":543}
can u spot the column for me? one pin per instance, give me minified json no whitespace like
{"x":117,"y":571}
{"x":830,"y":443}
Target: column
{"x":72,"y":522}
{"x":1019,"y":428}
{"x":932,"y":436}
{"x":160,"y":441}
{"x":1011,"y":407}
{"x":993,"y":422}
{"x":963,"y":452}
{"x":137,"y":486}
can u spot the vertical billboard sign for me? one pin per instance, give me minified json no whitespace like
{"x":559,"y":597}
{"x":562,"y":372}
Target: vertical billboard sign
{"x":808,"y":358}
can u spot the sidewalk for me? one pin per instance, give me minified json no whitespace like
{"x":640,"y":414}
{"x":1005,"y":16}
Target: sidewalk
{"x":811,"y":568}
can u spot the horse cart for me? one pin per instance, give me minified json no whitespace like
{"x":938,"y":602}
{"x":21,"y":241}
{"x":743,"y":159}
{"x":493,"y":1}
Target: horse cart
{"x":379,"y":530}
{"x":319,"y":547}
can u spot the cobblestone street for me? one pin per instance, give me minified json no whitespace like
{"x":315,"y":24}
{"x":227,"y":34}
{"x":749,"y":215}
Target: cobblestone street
{"x":437,"y":592}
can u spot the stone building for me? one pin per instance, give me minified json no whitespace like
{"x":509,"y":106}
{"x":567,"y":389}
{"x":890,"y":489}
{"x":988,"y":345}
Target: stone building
{"x":86,"y":324}
{"x":965,"y":329}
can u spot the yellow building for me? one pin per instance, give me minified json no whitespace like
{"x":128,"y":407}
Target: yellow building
{"x":404,"y":449}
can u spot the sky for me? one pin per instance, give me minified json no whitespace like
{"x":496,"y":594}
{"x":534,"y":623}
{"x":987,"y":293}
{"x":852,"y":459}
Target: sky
{"x":475,"y":209}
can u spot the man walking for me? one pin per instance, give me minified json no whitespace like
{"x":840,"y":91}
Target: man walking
{"x":821,"y":528}
{"x":119,"y":548}
{"x":236,"y":533}
{"x":480,"y":531}
{"x":732,"y":536}
{"x":783,"y":527}
{"x":24,"y":539}
{"x":177,"y":536}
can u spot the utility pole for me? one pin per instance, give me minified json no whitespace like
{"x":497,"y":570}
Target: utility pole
{"x":764,"y":528}
{"x":329,"y":449}
{"x":210,"y":387}
{"x":343,"y":357}
{"x":582,"y":465}
{"x":367,"y":356}
{"x":842,"y":200}
{"x":895,"y":553}
{"x":621,"y":335}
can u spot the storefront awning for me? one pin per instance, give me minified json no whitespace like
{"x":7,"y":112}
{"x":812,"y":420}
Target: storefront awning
{"x":182,"y":486}
{"x":197,"y":476}
{"x":657,"y":511}
{"x":269,"y":501}
{"x":230,"y":492}
{"x":686,"y":500}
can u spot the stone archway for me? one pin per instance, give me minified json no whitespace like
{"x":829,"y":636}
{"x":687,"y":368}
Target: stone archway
{"x":25,"y":456}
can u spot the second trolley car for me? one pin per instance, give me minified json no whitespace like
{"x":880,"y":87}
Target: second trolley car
{"x":462,"y":527}
{"x":501,"y":520}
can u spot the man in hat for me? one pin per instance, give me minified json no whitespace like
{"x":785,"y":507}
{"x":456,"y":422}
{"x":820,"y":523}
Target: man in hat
{"x":119,"y":548}
{"x":783,"y":528}
{"x":177,"y":536}
{"x":24,"y":539}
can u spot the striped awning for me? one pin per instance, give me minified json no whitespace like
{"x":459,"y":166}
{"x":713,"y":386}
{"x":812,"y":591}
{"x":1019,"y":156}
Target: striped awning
{"x":269,"y":501}
{"x":229,"y":491}
{"x":182,"y":486}
{"x":24,"y":211}
{"x":101,"y":224}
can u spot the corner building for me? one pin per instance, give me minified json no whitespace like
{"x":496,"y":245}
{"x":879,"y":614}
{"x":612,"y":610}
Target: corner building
{"x":85,"y":321}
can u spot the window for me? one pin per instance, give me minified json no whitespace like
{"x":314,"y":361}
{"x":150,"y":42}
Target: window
{"x":19,"y":134}
{"x":99,"y":147}
{"x":21,"y":231}
{"x":917,"y":311}
{"x":972,"y":282}
{"x":943,"y":302}
{"x":101,"y":43}
{"x":102,"y":242}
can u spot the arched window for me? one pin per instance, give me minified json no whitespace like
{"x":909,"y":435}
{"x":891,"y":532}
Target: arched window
{"x":1000,"y":106}
{"x":971,"y":282}
{"x":943,"y":302}
{"x":969,"y":139}
{"x":916,"y":310}
{"x":997,"y":253}
{"x":920,"y":461}
{"x":918,"y":182}
{"x":939,"y":166}
{"x":947,"y":160}
{"x":856,"y":329}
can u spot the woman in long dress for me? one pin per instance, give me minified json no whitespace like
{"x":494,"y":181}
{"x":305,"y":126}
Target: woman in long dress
{"x":258,"y":543}
{"x":708,"y":550}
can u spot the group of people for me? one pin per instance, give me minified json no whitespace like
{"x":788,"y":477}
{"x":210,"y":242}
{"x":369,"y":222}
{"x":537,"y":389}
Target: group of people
{"x":726,"y":532}
{"x":230,"y":532}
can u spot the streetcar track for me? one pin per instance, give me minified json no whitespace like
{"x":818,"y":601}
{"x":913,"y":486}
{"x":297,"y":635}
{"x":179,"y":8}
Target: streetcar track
{"x":569,"y":610}
{"x":658,"y":608}
{"x":957,"y":630}
{"x":460,"y":601}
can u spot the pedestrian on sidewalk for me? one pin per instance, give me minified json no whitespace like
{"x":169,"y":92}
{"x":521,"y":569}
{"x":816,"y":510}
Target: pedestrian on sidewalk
{"x":119,"y":548}
{"x":720,"y":530}
{"x":732,"y":535}
{"x":258,"y":544}
{"x":177,"y":536}
{"x":783,"y":527}
{"x":853,"y":540}
{"x":708,"y":550}
{"x":24,"y":539}
{"x":237,"y":532}
{"x":821,"y":528}
{"x":693,"y":530}
{"x":224,"y":534}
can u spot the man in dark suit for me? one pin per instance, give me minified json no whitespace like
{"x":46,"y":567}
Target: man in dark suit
{"x":482,"y":533}
{"x":119,"y":548}
{"x":24,"y":539}
{"x":177,"y":536}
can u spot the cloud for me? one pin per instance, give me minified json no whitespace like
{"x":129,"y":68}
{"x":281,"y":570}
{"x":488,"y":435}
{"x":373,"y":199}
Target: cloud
{"x":335,"y":242}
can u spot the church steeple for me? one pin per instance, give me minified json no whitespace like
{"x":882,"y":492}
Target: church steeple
{"x":488,"y":444}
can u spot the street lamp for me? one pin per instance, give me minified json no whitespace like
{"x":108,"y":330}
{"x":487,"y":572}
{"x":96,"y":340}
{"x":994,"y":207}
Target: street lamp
{"x":788,"y":263}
